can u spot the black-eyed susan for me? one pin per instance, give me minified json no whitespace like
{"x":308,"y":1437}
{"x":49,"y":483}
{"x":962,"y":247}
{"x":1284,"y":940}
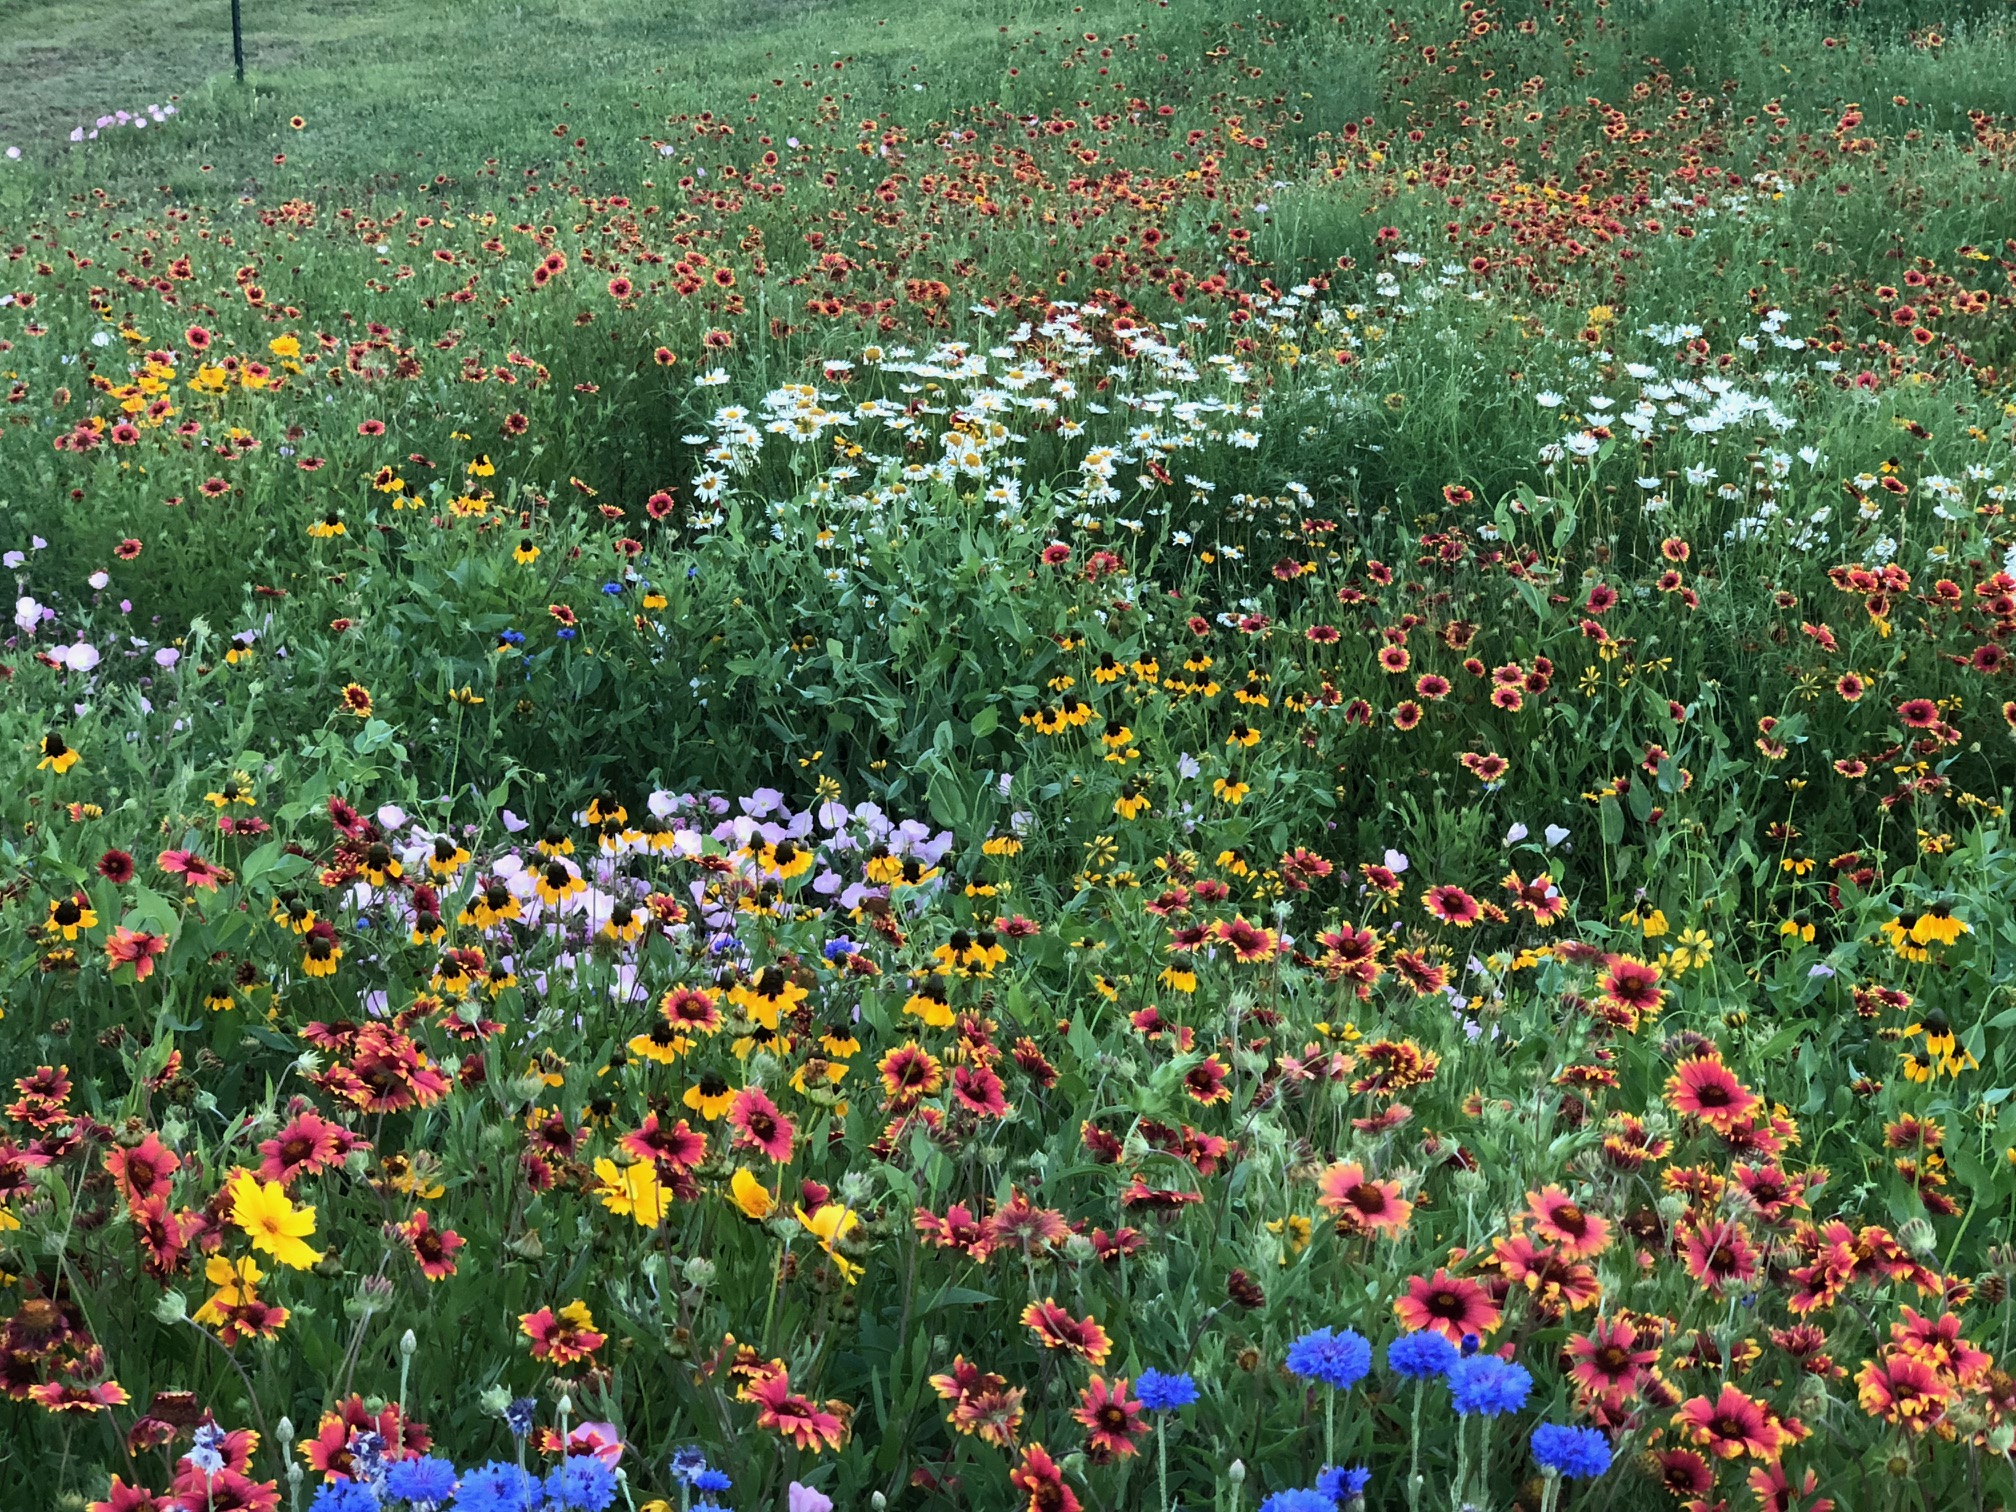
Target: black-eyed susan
{"x":927,"y":1001}
{"x":56,"y":756}
{"x":559,"y":880}
{"x":625,"y":923}
{"x":838,"y":1040}
{"x":380,"y":867}
{"x":331,"y":524}
{"x":480,"y":466}
{"x":241,"y":649}
{"x":499,"y":979}
{"x":236,"y":789}
{"x":1132,"y":802}
{"x":320,"y":950}
{"x":491,"y":904}
{"x":555,"y":841}
{"x":784,"y":860}
{"x":602,"y":809}
{"x":1898,"y":932}
{"x":913,"y":871}
{"x":771,"y":993}
{"x":1001,"y":845}
{"x":1044,"y":720}
{"x":292,"y":911}
{"x":70,"y":916}
{"x":710,"y":1097}
{"x":446,"y":857}
{"x":1938,"y":925}
{"x":1230,"y":790}
{"x":661,"y":1043}
{"x":218,"y":996}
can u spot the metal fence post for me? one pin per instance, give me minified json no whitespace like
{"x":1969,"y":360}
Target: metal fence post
{"x":237,"y":42}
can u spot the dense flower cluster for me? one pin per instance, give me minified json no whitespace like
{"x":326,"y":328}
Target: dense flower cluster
{"x":1098,"y":803}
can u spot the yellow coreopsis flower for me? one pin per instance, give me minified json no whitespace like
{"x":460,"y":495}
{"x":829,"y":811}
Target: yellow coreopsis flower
{"x":274,"y":1224}
{"x":830,"y":1223}
{"x":751,"y":1196}
{"x":235,"y":1281}
{"x":633,"y":1191}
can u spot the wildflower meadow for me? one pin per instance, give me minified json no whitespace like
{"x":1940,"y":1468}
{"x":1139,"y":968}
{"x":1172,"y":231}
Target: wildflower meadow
{"x":1087,"y":758}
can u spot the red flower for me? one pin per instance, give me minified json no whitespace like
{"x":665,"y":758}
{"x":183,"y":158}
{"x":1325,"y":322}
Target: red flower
{"x":144,"y":1171}
{"x":1057,"y":1329}
{"x":134,"y":948}
{"x":1706,"y":1089}
{"x":1903,"y":1391}
{"x":1719,"y":1254}
{"x":979,"y":1088}
{"x":760,"y":1126}
{"x":1453,"y":1306}
{"x":797,"y":1418}
{"x":305,"y":1145}
{"x":1362,"y":1204}
{"x":1206,"y":1082}
{"x":192,"y":869}
{"x":1631,"y":986}
{"x":116,"y":867}
{"x":1730,"y":1426}
{"x":563,"y":1338}
{"x":1112,"y":1422}
{"x":678,"y":1148}
{"x":1606,"y":1361}
{"x":433,"y":1248}
{"x":1565,"y":1225}
{"x":1039,"y":1476}
{"x":1451,"y":905}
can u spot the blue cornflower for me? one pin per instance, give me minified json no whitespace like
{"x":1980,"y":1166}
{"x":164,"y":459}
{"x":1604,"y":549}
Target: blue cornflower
{"x":426,"y":1482}
{"x":1340,"y":1360}
{"x":497,"y":1487}
{"x":687,"y":1463}
{"x":1420,"y":1356}
{"x":834,"y":949}
{"x":612,"y":587}
{"x":1162,"y":1392}
{"x":567,"y":632}
{"x":344,"y":1496}
{"x":1341,"y":1483}
{"x":519,"y":1416}
{"x":707,"y":1478}
{"x":1301,"y":1499}
{"x":1488,"y":1385}
{"x":1571,"y":1452}
{"x":512,"y":637}
{"x":583,"y":1483}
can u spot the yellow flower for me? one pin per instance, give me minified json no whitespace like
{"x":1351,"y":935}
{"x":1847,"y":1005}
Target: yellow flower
{"x":632,"y":1191}
{"x":831,"y":1223}
{"x":234,"y":1280}
{"x":274,"y":1224}
{"x":1690,"y":952}
{"x":1937,"y":924}
{"x":750,"y":1195}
